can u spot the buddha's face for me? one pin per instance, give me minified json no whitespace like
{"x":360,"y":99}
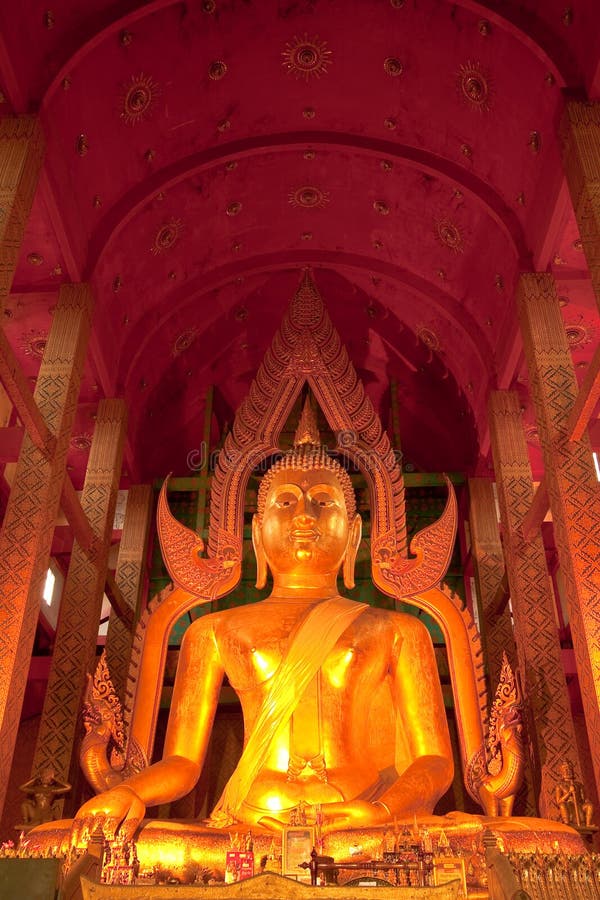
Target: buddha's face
{"x":305,"y":522}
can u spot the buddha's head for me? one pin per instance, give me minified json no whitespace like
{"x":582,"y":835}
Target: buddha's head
{"x":306,"y":524}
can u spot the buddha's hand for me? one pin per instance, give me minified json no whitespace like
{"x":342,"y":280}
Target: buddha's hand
{"x":354,"y":814}
{"x":119,"y":809}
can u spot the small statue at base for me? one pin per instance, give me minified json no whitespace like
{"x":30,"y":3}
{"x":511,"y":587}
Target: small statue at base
{"x":573,"y":806}
{"x":44,"y":789}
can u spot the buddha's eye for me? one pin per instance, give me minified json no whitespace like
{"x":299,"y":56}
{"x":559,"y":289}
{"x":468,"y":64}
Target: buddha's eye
{"x":285,"y":500}
{"x":324,"y":500}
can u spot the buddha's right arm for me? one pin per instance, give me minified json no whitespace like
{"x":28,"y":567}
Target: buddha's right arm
{"x":193,"y":706}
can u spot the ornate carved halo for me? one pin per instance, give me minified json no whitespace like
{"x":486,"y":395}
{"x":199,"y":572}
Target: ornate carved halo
{"x":183,"y":342}
{"x":474,"y":86}
{"x":34,"y":343}
{"x":309,"y":197}
{"x":307,"y":57}
{"x":449,"y":234}
{"x":166,"y":236}
{"x":137,"y":97}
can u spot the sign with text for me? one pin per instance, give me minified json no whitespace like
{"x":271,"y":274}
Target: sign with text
{"x":239,"y":865}
{"x":297,"y":845}
{"x":450,"y":868}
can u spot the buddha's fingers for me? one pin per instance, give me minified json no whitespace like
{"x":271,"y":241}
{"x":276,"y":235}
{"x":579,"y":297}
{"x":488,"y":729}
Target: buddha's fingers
{"x":134,"y":816}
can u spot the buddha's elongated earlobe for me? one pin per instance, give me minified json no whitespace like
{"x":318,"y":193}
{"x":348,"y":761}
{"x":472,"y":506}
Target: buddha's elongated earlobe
{"x":354,"y":537}
{"x":261,"y":559}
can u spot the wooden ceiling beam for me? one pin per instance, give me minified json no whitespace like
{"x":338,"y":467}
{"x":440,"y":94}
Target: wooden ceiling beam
{"x":17,"y":387}
{"x":586,"y":400}
{"x":537,"y":511}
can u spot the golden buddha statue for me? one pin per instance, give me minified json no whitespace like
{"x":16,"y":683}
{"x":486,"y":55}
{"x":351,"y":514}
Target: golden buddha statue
{"x":342,"y":702}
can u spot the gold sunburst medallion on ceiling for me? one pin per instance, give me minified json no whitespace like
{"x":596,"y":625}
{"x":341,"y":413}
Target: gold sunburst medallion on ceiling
{"x":309,"y":197}
{"x":217,"y":70}
{"x":34,"y":343}
{"x":381,"y":207}
{"x":137,"y":97}
{"x":578,"y":335}
{"x":166,"y":236}
{"x":81,"y":442}
{"x":474,"y":86}
{"x":392,"y":66}
{"x":183,"y":342}
{"x":428,"y":337}
{"x":306,"y":57}
{"x":449,"y":234}
{"x":531,"y":434}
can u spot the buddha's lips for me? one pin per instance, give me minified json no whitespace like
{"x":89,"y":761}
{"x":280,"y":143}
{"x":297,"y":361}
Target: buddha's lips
{"x":301,"y":534}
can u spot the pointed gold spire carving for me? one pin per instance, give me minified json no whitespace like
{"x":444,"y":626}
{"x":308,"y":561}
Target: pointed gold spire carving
{"x":307,"y":431}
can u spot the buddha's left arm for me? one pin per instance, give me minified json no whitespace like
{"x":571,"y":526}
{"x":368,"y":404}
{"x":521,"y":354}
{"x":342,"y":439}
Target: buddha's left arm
{"x":420,"y":713}
{"x":195,"y":698}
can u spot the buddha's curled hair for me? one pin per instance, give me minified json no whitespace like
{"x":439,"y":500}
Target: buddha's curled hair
{"x":307,"y":457}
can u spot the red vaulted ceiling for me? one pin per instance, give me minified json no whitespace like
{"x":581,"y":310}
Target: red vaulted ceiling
{"x":200,"y":153}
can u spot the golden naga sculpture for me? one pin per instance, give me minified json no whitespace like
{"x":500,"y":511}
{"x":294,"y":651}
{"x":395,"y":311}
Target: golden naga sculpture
{"x":496,"y":777}
{"x":105,"y":757}
{"x":342,"y":702}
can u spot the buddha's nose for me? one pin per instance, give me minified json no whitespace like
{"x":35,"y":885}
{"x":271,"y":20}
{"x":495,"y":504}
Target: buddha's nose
{"x":305,"y":520}
{"x":304,"y":513}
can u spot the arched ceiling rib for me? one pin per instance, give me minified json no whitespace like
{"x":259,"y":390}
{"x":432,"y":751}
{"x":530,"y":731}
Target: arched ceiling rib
{"x":131,"y":203}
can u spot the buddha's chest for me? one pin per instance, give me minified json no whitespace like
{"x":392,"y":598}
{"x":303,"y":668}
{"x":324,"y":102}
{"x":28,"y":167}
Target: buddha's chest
{"x":253,"y":656}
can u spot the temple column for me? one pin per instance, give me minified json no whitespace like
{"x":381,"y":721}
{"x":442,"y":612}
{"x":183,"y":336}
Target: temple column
{"x":129,"y":577}
{"x":28,"y":527}
{"x":488,"y":560}
{"x":580,"y":134}
{"x":538,"y":649}
{"x":77,"y":632}
{"x":21,"y":156}
{"x":573,"y":489}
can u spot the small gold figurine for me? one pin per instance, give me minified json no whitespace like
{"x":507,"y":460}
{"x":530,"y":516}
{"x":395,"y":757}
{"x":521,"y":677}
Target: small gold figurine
{"x":44,"y":789}
{"x":573,"y":806}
